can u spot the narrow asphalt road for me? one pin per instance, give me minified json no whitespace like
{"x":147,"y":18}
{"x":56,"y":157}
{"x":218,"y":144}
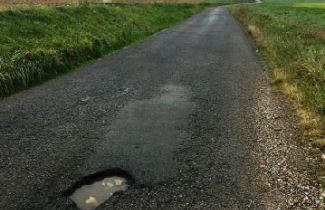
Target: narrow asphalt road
{"x":172,"y":111}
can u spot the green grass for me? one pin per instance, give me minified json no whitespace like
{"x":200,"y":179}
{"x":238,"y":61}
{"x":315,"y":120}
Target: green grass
{"x":228,"y":1}
{"x":292,"y":42}
{"x":310,"y":5}
{"x":293,"y":1}
{"x":38,"y":43}
{"x":309,"y":16}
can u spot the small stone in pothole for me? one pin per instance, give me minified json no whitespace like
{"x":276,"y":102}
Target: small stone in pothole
{"x":109,"y":184}
{"x":91,"y":200}
{"x":118,"y":182}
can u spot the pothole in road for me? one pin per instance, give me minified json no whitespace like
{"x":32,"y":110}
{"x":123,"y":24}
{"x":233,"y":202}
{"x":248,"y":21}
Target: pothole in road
{"x":95,"y":189}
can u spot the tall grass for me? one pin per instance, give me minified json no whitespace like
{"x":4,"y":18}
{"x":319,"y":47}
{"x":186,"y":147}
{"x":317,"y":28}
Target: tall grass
{"x":292,"y":41}
{"x":38,"y":43}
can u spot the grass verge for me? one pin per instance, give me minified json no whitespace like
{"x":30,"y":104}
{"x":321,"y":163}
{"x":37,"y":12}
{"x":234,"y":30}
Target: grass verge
{"x":38,"y":43}
{"x":292,"y":42}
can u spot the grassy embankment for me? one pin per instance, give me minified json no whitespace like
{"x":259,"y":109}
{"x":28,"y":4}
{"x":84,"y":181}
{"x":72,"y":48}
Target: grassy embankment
{"x":38,"y":43}
{"x":291,"y":39}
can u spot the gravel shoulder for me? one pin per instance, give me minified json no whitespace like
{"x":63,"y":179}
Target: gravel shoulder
{"x":284,"y":170}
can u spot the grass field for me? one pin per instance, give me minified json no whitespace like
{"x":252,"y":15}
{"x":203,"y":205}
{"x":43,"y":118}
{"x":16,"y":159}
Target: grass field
{"x":310,"y":5}
{"x":302,"y":13}
{"x":38,"y":43}
{"x":291,"y":40}
{"x":293,"y":1}
{"x":58,"y":2}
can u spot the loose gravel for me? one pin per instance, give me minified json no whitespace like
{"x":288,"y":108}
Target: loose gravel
{"x":284,"y":168}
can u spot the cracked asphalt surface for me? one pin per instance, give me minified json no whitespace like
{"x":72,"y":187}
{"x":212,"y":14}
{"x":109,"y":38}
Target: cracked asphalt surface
{"x":172,"y":110}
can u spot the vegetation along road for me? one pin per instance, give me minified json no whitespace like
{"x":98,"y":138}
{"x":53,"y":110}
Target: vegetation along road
{"x":188,"y":117}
